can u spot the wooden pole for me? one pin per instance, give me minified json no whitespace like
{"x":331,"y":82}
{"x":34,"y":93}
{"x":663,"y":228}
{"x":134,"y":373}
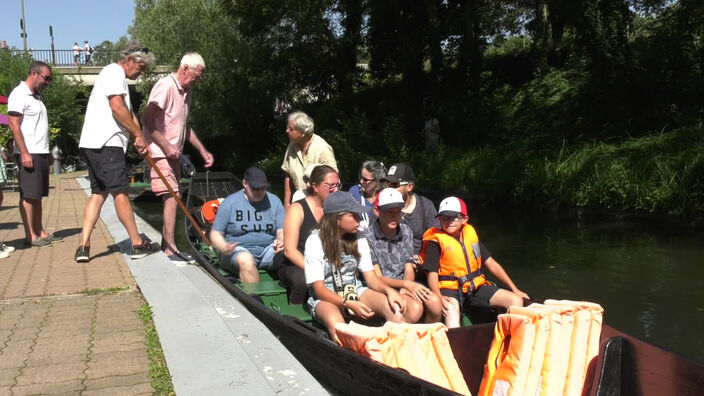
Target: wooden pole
{"x":151,"y":163}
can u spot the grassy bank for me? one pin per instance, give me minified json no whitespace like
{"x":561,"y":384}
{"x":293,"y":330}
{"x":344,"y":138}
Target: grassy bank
{"x":658,"y":173}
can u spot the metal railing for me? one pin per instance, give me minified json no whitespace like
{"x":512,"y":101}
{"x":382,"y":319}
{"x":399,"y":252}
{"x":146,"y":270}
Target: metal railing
{"x":66,"y":58}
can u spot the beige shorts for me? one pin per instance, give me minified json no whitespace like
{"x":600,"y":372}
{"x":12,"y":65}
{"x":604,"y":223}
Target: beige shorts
{"x":171,"y":169}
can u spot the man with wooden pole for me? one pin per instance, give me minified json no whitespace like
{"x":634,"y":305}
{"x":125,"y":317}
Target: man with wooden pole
{"x":108,"y":126}
{"x":165,"y":124}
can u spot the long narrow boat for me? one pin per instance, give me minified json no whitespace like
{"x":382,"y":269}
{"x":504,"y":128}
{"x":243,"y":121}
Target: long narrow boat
{"x":626,"y":364}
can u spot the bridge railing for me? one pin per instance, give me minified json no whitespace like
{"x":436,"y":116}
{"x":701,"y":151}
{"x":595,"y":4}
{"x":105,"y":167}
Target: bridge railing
{"x":100,"y":57}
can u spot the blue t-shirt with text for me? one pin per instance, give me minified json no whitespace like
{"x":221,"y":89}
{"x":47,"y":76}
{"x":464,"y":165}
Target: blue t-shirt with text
{"x":251,"y":224}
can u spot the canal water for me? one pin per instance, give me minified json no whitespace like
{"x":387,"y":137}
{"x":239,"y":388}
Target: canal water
{"x":646,"y":275}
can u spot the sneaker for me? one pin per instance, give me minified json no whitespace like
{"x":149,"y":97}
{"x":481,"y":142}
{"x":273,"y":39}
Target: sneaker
{"x":146,"y":248}
{"x":6,"y":249}
{"x":41,"y":242}
{"x":82,"y":254}
{"x":4,"y":255}
{"x":181,"y":258}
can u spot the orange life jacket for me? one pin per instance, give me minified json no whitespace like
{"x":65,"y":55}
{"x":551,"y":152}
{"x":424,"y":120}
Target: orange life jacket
{"x":458,"y":264}
{"x":209,"y":210}
{"x":509,"y":358}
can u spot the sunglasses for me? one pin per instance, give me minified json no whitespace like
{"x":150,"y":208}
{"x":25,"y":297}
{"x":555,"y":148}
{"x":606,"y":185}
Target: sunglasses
{"x":46,"y":78}
{"x":397,"y":184}
{"x":332,"y":187}
{"x":451,"y":219}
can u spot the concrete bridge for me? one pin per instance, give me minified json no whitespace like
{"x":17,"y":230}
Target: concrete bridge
{"x":86,"y":69}
{"x":86,"y":75}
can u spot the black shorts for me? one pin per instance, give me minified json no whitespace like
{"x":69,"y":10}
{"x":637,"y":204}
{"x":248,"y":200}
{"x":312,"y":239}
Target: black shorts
{"x":34,"y":183}
{"x":479,"y":299}
{"x":107,"y":169}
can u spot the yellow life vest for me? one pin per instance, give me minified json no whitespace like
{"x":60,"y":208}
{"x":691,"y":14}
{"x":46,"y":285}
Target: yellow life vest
{"x":460,"y":258}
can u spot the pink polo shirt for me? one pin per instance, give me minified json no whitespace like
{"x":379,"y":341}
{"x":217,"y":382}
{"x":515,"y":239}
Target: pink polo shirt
{"x":175,"y":102}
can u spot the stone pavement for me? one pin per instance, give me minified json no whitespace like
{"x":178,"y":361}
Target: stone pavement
{"x":67,"y":327}
{"x":70,"y":328}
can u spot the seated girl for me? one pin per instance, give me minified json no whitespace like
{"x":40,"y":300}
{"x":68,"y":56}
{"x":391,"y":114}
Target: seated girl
{"x":334,"y":255}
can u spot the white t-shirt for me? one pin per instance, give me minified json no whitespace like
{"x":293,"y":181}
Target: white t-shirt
{"x":100,"y":128}
{"x":35,"y":121}
{"x":317,"y":267}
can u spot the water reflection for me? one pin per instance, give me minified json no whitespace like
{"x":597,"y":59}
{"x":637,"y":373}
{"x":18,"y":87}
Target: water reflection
{"x":646,"y":276}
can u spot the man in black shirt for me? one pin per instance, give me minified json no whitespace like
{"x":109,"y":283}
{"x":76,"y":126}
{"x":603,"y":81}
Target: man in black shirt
{"x":419,"y":212}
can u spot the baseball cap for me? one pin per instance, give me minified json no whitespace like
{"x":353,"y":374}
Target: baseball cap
{"x":399,"y":173}
{"x":388,"y":198}
{"x":256,"y":178}
{"x":452,"y":206}
{"x":342,"y":201}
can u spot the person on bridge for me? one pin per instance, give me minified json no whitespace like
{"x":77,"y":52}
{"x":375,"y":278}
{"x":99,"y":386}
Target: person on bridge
{"x":165,"y":124}
{"x":76,"y":53}
{"x":88,"y":52}
{"x":108,"y":125}
{"x":29,"y":124}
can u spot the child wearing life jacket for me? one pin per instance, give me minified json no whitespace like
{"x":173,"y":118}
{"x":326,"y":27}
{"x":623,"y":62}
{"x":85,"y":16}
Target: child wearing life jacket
{"x":334,"y":255}
{"x":455,"y":261}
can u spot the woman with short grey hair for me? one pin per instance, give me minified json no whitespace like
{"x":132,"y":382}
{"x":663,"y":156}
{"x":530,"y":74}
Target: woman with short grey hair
{"x":305,"y":148}
{"x":369,"y":186}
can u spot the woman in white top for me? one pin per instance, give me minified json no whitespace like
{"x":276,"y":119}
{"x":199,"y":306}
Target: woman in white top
{"x":333,"y":257}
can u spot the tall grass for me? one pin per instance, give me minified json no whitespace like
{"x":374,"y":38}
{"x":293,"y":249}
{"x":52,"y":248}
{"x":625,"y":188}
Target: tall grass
{"x":659,"y":173}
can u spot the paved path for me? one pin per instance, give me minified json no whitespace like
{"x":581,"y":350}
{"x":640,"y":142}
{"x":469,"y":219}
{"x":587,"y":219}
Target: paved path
{"x":73,"y":328}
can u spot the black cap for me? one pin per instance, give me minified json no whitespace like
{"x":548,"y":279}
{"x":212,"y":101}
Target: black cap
{"x":399,"y":173}
{"x":256,"y":178}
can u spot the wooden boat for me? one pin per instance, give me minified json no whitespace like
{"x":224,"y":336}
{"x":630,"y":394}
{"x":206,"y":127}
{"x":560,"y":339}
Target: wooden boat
{"x":626,"y":365}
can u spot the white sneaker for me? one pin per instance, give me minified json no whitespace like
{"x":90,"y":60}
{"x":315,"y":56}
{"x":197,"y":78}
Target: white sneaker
{"x":4,"y":254}
{"x":6,"y":249}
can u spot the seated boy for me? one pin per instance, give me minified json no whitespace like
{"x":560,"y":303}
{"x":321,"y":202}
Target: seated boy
{"x":455,"y":259}
{"x":391,"y":245}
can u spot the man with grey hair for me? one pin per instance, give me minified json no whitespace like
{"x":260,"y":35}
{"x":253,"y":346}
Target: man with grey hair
{"x":306,"y":148}
{"x":165,"y":123}
{"x":109,"y":124}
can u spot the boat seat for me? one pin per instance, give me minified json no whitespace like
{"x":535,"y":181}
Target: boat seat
{"x":295,"y":311}
{"x":264,"y":288}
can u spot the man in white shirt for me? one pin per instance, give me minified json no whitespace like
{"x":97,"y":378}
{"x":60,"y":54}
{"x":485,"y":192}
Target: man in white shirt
{"x":108,"y":126}
{"x":29,"y":124}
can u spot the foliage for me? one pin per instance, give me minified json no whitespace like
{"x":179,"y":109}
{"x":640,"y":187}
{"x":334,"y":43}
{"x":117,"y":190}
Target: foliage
{"x":107,"y":52}
{"x":518,"y":87}
{"x":658,"y":173}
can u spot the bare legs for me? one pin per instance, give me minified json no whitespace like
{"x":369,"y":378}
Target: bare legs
{"x":31,"y":213}
{"x":91,"y":213}
{"x":247,"y":267}
{"x":330,"y":314}
{"x":168,"y":230}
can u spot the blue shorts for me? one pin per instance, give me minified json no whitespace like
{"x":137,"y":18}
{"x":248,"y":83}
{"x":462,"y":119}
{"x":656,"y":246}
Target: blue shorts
{"x":264,"y":260}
